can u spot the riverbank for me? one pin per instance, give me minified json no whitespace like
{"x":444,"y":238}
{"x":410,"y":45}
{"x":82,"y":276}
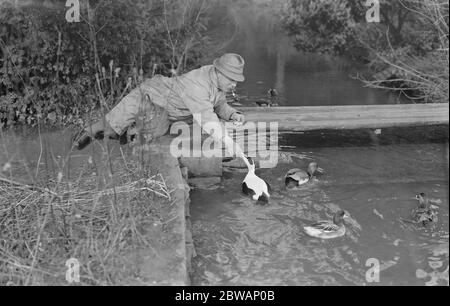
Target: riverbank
{"x":120,"y":216}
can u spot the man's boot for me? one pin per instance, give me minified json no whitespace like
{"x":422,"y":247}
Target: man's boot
{"x":97,"y":130}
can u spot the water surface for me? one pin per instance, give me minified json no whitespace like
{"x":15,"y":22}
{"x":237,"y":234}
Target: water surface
{"x":372,"y":177}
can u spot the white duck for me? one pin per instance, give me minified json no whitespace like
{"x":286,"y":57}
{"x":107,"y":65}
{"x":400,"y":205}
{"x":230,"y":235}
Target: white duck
{"x":253,"y":185}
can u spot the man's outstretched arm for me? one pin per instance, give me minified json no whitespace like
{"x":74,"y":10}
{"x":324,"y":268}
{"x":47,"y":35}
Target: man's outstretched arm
{"x":227,"y":112}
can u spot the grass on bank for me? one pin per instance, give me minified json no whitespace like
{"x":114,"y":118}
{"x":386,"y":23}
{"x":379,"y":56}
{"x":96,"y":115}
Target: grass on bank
{"x":93,"y":213}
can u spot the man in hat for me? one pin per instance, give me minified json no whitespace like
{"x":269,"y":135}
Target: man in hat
{"x":199,"y":94}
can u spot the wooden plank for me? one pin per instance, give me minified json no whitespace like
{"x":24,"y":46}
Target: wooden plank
{"x":302,"y":118}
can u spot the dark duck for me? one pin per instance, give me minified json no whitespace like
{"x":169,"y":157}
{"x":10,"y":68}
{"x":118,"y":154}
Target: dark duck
{"x":272,"y":99}
{"x":423,"y":214}
{"x":272,"y":93}
{"x":298,"y":177}
{"x":255,"y":186}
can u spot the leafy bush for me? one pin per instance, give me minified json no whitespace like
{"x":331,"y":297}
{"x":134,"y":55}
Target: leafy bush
{"x":320,"y":25}
{"x":48,"y":66}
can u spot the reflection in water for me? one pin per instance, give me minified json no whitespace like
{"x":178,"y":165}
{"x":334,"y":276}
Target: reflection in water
{"x":35,"y":156}
{"x":272,"y":62}
{"x":240,"y":243}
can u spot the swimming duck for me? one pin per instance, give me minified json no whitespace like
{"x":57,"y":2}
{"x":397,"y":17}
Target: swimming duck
{"x":255,"y":186}
{"x":423,"y":213}
{"x":235,"y":96}
{"x":328,"y":229}
{"x":297,"y":177}
{"x":263,"y":103}
{"x":272,"y":93}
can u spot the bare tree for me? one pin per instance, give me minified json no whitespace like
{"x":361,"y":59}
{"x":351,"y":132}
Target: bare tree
{"x":426,"y":77}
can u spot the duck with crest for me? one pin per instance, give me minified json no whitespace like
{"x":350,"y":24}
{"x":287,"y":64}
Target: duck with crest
{"x":423,"y":214}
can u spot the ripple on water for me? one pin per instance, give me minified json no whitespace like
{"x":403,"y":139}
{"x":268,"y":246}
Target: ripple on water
{"x":241,"y":243}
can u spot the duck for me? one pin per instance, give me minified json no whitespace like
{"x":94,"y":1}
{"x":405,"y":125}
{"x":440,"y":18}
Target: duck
{"x":297,"y":177}
{"x":235,"y":96}
{"x":254,"y":186}
{"x":328,"y":229}
{"x":423,"y":213}
{"x":272,"y":93}
{"x":263,"y":103}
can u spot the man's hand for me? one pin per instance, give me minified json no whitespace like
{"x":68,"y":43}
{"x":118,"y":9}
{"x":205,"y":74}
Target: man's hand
{"x":238,"y":117}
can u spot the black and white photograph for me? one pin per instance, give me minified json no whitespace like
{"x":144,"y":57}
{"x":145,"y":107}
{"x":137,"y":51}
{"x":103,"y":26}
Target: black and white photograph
{"x":224,"y":149}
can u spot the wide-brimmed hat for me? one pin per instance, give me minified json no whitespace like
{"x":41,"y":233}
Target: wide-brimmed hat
{"x":231,"y":65}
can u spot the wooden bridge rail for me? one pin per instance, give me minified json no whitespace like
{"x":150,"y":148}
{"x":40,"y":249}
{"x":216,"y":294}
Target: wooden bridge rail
{"x":303,"y":118}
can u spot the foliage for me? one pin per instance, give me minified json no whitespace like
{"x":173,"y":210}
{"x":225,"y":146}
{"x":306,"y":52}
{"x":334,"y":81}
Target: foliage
{"x":320,"y":25}
{"x":48,"y":65}
{"x":412,"y":37}
{"x":340,"y":26}
{"x":99,"y":212}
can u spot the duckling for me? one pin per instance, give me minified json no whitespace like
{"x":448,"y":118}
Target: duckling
{"x":328,"y":229}
{"x":255,"y":186}
{"x":297,"y":177}
{"x":423,"y":213}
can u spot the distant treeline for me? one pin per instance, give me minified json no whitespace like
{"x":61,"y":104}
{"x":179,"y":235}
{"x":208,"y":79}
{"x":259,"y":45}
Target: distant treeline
{"x":406,"y":51}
